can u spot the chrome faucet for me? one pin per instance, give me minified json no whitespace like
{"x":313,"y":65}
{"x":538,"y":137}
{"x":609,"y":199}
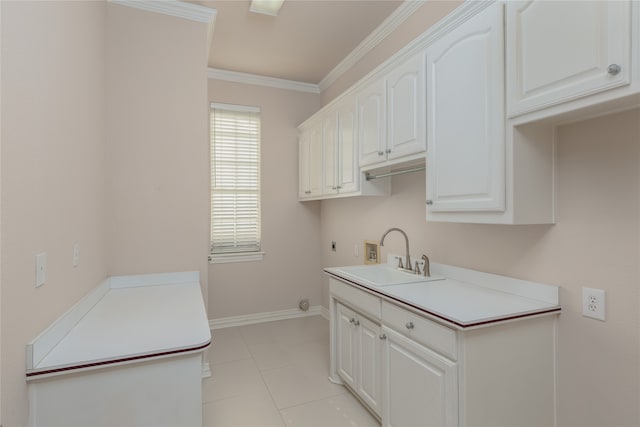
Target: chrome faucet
{"x":408,"y":259}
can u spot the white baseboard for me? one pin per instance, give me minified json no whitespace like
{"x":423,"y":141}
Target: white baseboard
{"x":227,"y":322}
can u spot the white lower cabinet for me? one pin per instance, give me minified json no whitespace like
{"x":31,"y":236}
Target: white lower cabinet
{"x":420,"y":387}
{"x":358,"y":356}
{"x":411,"y":371}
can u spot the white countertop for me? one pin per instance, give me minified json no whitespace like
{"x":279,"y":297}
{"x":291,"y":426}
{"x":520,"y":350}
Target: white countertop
{"x":464,"y":298}
{"x":129,"y":318}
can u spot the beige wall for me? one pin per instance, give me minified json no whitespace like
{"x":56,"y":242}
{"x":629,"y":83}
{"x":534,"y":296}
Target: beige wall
{"x":594,"y":243}
{"x":158,"y":143}
{"x":291,"y":269}
{"x":53,"y":172}
{"x":104,"y":144}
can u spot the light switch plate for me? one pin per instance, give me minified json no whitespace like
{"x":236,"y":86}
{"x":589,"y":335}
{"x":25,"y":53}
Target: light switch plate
{"x":41,"y":269}
{"x":76,"y":254}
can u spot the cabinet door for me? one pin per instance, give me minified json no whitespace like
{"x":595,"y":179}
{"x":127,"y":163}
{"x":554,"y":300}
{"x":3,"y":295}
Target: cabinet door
{"x":346,"y":345}
{"x":420,"y":387}
{"x":310,"y":163}
{"x":315,"y":162}
{"x":372,"y":128}
{"x":303,"y":164}
{"x":406,"y":98}
{"x":465,"y":116}
{"x":348,"y":170}
{"x":369,"y":370}
{"x":561,"y":50}
{"x":330,"y":143}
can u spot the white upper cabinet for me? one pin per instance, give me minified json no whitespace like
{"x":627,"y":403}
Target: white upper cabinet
{"x":392,"y":115}
{"x":558,"y":51}
{"x":341,"y":172}
{"x":310,"y":162}
{"x":348,"y":170}
{"x":406,"y":109}
{"x":465,"y":116}
{"x":330,"y":153}
{"x":372,"y":123}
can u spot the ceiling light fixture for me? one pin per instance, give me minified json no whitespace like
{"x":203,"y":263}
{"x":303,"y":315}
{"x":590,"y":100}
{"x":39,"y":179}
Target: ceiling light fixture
{"x":266,"y":7}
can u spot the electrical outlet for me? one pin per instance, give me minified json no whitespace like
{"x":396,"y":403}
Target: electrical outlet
{"x":593,"y":303}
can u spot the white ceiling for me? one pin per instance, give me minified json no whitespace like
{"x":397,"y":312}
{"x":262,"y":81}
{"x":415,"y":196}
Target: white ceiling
{"x":303,"y":43}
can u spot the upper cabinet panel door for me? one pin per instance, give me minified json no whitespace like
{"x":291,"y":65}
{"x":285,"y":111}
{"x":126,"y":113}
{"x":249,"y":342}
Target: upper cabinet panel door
{"x":330,"y":145}
{"x":405,"y":108}
{"x":372,"y":123}
{"x":562,"y":50}
{"x":303,"y":165}
{"x":348,"y":170}
{"x":310,"y":162}
{"x":465,"y":116}
{"x":315,"y":162}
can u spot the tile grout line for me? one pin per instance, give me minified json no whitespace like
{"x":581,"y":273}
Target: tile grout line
{"x":266,"y":386}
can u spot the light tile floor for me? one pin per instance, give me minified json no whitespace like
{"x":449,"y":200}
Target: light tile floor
{"x":275,"y":374}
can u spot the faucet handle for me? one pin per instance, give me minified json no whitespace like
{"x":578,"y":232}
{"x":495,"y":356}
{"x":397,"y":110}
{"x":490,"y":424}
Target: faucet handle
{"x":426,"y":270}
{"x":399,"y":258}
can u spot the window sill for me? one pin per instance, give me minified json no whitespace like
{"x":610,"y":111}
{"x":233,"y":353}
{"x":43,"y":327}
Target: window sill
{"x":235,"y":257}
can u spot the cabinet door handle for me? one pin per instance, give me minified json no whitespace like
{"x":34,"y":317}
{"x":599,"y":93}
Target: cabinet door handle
{"x":388,"y":150}
{"x":614,"y":69}
{"x":409,"y":325}
{"x":307,"y":192}
{"x":339,"y":187}
{"x":383,"y":337}
{"x":380,"y":153}
{"x":429,"y":202}
{"x":334,"y":188}
{"x":354,"y":321}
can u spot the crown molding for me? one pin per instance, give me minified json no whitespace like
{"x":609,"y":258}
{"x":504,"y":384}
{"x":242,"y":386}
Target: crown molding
{"x":254,"y":79}
{"x":175,"y":8}
{"x":393,"y":21}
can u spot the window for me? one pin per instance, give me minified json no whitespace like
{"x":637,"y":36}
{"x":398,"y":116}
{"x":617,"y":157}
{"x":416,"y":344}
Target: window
{"x":235,"y":183}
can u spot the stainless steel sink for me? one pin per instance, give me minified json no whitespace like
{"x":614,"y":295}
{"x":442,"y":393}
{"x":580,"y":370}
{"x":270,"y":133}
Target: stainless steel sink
{"x":383,"y":275}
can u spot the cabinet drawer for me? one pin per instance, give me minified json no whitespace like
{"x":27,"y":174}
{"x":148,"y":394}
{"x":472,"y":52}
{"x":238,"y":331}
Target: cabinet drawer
{"x":360,"y":300}
{"x":430,"y":334}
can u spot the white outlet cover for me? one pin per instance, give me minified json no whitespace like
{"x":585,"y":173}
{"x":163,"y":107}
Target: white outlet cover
{"x":41,"y":269}
{"x":593,"y":303}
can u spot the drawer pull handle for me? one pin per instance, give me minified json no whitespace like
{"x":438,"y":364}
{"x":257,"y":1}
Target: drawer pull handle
{"x":409,"y":325}
{"x":383,"y":337}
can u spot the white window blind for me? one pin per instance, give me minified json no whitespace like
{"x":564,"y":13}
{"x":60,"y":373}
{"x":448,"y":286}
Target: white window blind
{"x":235,"y":179}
